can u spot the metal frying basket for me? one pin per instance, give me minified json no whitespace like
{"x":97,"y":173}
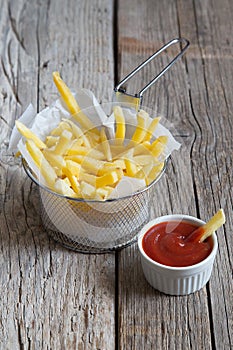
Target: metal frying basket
{"x":94,"y":226}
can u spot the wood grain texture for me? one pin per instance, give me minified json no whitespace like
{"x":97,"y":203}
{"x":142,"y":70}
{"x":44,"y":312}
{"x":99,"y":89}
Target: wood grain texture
{"x":51,"y":298}
{"x":195,"y":98}
{"x":214,"y":148}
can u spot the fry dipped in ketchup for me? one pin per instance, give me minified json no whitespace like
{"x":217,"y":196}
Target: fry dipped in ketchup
{"x":203,"y":232}
{"x":181,"y":244}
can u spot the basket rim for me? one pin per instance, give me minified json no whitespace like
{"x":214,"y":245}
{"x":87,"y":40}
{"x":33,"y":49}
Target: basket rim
{"x":29,"y":173}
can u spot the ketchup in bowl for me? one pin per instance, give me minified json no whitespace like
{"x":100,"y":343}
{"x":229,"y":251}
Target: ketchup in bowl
{"x":165,"y":243}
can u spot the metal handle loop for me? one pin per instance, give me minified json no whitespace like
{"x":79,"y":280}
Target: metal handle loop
{"x":130,"y":75}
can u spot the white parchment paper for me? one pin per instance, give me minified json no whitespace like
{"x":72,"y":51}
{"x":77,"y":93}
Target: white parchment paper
{"x":44,"y":122}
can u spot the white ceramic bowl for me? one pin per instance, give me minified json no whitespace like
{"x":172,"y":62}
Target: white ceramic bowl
{"x":176,"y":280}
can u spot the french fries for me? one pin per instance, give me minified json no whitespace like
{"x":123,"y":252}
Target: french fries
{"x":29,"y":135}
{"x":105,"y":144}
{"x":72,"y":104}
{"x":203,"y":232}
{"x":141,"y":131}
{"x":78,"y":160}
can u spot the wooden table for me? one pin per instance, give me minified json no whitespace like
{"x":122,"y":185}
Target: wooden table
{"x":54,"y":298}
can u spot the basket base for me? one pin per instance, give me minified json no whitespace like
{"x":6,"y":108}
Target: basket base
{"x":81,"y":248}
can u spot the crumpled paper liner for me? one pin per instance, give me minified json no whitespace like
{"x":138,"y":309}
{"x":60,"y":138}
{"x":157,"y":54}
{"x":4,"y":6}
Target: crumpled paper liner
{"x":106,"y":226}
{"x":44,"y":122}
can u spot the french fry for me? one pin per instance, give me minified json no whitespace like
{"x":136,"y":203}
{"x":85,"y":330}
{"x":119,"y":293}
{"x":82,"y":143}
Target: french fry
{"x":74,"y":183}
{"x":120,"y":125}
{"x":120,"y":173}
{"x":105,"y":145}
{"x":29,"y":135}
{"x":128,"y":154}
{"x":149,"y":172}
{"x":63,"y":143}
{"x":72,"y":104}
{"x":35,"y":152}
{"x":115,"y":165}
{"x":78,"y":133}
{"x":87,"y":190}
{"x":142,"y":148}
{"x":158,"y":146}
{"x":46,"y":169}
{"x":72,"y":179}
{"x":51,"y":141}
{"x":66,"y":180}
{"x":155,"y":171}
{"x":131,"y":167}
{"x":107,"y":179}
{"x":76,"y":149}
{"x":75,"y":158}
{"x":78,"y":142}
{"x":104,"y":192}
{"x":89,"y":178}
{"x":149,"y":132}
{"x":108,"y":167}
{"x":73,"y":167}
{"x":144,"y":171}
{"x":118,"y":150}
{"x":55,"y":160}
{"x":66,"y":94}
{"x":93,"y":138}
{"x":141,"y":131}
{"x":203,"y":232}
{"x":85,"y":122}
{"x":119,"y":163}
{"x":92,"y":165}
{"x":63,"y":125}
{"x":96,"y":154}
{"x":144,"y":159}
{"x":63,"y":188}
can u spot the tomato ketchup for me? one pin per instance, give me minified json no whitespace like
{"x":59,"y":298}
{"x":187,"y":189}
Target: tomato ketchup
{"x":166,"y":244}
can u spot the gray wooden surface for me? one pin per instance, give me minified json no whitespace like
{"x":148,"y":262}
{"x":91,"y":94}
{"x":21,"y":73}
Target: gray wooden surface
{"x":53,"y":298}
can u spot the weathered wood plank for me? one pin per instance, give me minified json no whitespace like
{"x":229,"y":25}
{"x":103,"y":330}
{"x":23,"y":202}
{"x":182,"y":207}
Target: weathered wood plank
{"x":193,"y":184}
{"x":211,"y":93}
{"x":54,"y":298}
{"x":51,"y":298}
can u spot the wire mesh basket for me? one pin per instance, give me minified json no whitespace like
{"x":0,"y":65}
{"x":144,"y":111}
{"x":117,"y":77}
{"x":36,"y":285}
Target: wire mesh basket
{"x":94,"y":226}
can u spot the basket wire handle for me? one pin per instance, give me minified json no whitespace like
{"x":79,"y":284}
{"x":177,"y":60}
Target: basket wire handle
{"x":136,"y":100}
